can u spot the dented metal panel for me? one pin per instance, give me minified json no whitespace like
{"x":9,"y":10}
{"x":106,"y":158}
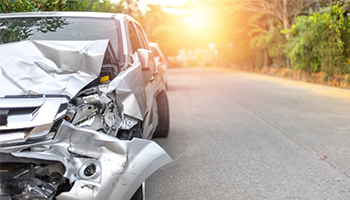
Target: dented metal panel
{"x":131,"y":92}
{"x":121,"y":166}
{"x":70,"y":113}
{"x":65,"y":67}
{"x":49,"y":67}
{"x":41,"y":87}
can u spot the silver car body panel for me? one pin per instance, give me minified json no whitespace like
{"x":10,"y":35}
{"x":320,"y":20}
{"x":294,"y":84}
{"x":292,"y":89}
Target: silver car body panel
{"x":131,"y":91}
{"x":39,"y":79}
{"x":160,"y":60}
{"x":41,"y":67}
{"x":122,"y":165}
{"x":49,"y":67}
{"x":64,"y":68}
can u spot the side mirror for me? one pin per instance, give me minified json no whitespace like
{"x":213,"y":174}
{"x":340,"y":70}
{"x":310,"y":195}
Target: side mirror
{"x":146,"y":59}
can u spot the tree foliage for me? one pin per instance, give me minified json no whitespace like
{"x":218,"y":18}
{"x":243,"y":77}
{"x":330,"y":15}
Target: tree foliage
{"x":213,"y":22}
{"x":268,"y":20}
{"x":267,"y":39}
{"x":320,"y":42}
{"x":285,"y":11}
{"x":162,"y":27}
{"x":8,"y":6}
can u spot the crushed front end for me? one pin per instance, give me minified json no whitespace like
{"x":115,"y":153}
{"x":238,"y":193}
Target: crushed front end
{"x":61,"y":129}
{"x":77,"y":163}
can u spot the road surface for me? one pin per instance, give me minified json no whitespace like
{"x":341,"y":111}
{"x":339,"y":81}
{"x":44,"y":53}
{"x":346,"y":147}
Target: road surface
{"x":236,"y":135}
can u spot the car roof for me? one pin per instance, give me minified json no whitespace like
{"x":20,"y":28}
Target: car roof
{"x":65,"y":14}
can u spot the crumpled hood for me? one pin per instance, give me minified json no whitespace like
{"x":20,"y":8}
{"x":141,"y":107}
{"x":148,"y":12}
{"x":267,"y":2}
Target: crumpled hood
{"x":49,"y":67}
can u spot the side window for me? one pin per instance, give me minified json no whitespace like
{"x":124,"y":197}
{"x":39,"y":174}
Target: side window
{"x":133,"y":38}
{"x":142,"y":37}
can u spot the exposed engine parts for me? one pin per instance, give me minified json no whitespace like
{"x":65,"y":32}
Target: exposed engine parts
{"x":95,"y":110}
{"x":27,"y":181}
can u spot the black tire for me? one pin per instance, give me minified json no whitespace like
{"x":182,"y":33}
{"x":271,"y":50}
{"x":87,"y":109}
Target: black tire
{"x":162,"y":130}
{"x":138,"y":194}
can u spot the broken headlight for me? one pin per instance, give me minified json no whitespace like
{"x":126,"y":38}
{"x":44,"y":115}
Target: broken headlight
{"x":95,"y":110}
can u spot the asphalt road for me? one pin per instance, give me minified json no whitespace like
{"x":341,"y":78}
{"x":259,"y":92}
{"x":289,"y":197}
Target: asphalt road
{"x":236,"y":135}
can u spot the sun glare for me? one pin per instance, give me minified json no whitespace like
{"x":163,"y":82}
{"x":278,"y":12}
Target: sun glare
{"x":143,"y":4}
{"x":197,"y":18}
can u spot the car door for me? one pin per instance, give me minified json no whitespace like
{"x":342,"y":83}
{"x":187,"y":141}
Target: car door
{"x":139,"y":41}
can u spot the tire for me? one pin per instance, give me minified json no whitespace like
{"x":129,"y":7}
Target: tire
{"x":162,"y":130}
{"x":139,"y":194}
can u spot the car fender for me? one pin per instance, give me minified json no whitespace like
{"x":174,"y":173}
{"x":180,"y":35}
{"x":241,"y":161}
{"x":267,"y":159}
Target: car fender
{"x":121,"y":165}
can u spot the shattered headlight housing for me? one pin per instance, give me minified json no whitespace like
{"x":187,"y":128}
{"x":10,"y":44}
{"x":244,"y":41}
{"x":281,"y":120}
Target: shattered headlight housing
{"x":93,"y":109}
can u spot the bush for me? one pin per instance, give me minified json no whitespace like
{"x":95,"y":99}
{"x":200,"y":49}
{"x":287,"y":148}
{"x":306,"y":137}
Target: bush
{"x":320,"y":42}
{"x":8,"y":6}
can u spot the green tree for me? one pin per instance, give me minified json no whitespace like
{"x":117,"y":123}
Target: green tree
{"x":286,"y":11}
{"x":320,"y":42}
{"x":214,"y":22}
{"x":267,"y":40}
{"x":163,"y":28}
{"x":8,"y":6}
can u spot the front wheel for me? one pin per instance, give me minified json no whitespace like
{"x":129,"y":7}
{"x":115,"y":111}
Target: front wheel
{"x":140,"y":193}
{"x":163,"y":116}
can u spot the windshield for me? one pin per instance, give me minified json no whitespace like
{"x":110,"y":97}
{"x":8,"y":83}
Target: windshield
{"x":60,"y":28}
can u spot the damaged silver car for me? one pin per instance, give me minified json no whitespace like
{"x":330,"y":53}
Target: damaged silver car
{"x":80,"y":98}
